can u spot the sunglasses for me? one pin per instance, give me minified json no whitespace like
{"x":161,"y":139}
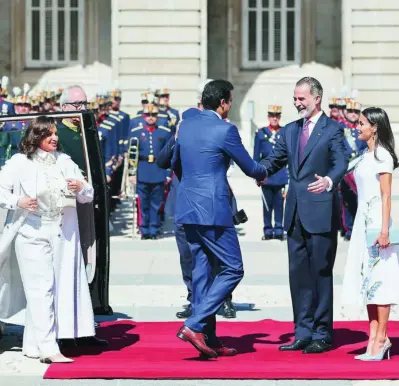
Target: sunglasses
{"x":353,"y":111}
{"x":151,"y":115}
{"x":78,"y":105}
{"x":273,"y":115}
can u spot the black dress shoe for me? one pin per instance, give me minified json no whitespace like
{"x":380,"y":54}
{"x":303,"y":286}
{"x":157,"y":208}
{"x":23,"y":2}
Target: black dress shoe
{"x":279,"y":237}
{"x":91,"y":341}
{"x":186,"y":313}
{"x":229,"y":312}
{"x":67,"y":343}
{"x":317,"y":346}
{"x":153,"y":237}
{"x":145,"y":237}
{"x":267,"y":237}
{"x":296,"y":345}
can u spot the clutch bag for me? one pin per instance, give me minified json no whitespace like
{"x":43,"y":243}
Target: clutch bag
{"x":69,"y":200}
{"x":372,"y":234}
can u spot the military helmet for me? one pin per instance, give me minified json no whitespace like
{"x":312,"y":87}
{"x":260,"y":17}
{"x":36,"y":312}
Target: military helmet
{"x":163,"y":91}
{"x":353,"y":105}
{"x":334,"y":102}
{"x":150,"y":109}
{"x":116,"y":93}
{"x":274,"y":109}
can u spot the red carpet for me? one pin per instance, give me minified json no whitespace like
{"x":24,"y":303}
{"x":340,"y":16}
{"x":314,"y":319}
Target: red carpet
{"x":152,"y":351}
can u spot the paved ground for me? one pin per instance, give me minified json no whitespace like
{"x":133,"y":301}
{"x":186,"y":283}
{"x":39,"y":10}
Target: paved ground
{"x":146,"y":286}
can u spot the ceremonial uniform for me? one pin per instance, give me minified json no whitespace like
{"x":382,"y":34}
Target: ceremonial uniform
{"x":70,"y":139}
{"x":15,"y":131}
{"x":6,"y":107}
{"x":272,"y":191}
{"x":4,"y":143}
{"x":348,"y":191}
{"x":107,"y":133}
{"x":150,"y":178}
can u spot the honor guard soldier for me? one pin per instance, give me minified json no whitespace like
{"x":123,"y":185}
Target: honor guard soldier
{"x":274,"y":189}
{"x":150,"y":98}
{"x":107,"y":133}
{"x":122,"y":143}
{"x":144,"y":103}
{"x":164,"y":102}
{"x":48,"y":101}
{"x":6,"y":107}
{"x":150,"y":178}
{"x":335,"y":113}
{"x":354,"y":148}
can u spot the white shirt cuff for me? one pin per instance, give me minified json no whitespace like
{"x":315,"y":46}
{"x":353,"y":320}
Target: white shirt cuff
{"x":330,"y":183}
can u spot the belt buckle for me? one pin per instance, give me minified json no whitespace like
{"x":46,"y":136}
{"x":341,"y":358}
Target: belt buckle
{"x":151,"y":158}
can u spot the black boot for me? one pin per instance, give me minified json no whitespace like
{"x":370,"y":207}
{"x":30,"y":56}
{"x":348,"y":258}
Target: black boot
{"x":229,"y":312}
{"x":186,"y":313}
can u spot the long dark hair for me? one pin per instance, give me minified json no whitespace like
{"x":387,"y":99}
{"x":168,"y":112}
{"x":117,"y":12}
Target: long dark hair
{"x":385,"y":138}
{"x":38,"y":129}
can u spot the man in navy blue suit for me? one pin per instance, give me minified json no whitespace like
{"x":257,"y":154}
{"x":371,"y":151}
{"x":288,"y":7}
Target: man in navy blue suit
{"x":313,"y":147}
{"x":205,"y":146}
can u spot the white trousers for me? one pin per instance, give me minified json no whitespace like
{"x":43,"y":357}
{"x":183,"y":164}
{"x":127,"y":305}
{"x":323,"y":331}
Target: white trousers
{"x":34,"y":246}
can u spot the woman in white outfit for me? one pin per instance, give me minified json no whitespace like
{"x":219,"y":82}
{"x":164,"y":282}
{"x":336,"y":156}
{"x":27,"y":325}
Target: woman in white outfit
{"x":372,"y":274}
{"x":40,"y":187}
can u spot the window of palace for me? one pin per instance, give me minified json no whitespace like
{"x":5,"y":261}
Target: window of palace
{"x":271,"y":33}
{"x":54,"y":33}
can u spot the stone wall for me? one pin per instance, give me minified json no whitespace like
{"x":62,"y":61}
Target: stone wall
{"x":5,"y":37}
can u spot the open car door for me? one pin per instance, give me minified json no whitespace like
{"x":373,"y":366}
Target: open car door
{"x":78,"y":136}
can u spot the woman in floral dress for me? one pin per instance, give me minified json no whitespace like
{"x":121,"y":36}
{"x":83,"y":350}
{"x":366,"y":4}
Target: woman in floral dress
{"x":372,"y":275}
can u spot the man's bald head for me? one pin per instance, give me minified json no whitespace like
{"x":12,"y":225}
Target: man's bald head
{"x":73,"y":98}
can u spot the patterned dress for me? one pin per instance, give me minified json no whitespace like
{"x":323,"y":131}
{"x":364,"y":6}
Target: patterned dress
{"x":370,"y":279}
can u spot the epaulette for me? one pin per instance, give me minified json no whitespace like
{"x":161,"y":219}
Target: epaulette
{"x":163,"y":115}
{"x":137,"y":128}
{"x":2,"y":124}
{"x":135,"y":116}
{"x":164,"y":128}
{"x":115,"y":117}
{"x":103,"y":125}
{"x":108,"y":122}
{"x":69,"y":125}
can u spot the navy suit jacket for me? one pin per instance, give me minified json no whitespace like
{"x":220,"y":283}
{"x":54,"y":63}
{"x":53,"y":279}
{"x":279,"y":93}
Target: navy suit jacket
{"x":205,"y":147}
{"x":324,"y":155}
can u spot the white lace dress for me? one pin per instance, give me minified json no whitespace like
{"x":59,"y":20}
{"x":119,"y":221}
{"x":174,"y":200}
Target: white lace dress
{"x":368,"y":279}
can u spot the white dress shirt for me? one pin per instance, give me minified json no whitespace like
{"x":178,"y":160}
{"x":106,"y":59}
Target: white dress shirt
{"x":313,"y":121}
{"x":312,"y":124}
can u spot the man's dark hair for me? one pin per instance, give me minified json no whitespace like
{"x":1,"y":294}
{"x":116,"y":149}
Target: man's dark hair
{"x":214,"y":92}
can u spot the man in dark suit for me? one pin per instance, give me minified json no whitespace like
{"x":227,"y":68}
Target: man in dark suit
{"x":313,"y":147}
{"x":205,"y":146}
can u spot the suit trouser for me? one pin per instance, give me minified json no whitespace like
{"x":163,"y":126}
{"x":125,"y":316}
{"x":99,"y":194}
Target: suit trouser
{"x":186,"y":261}
{"x":34,"y":247}
{"x":275,"y":201}
{"x":151,"y":196}
{"x":311,"y":262}
{"x":212,"y":245}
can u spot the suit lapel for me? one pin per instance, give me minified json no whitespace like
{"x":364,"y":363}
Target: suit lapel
{"x":314,"y":137}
